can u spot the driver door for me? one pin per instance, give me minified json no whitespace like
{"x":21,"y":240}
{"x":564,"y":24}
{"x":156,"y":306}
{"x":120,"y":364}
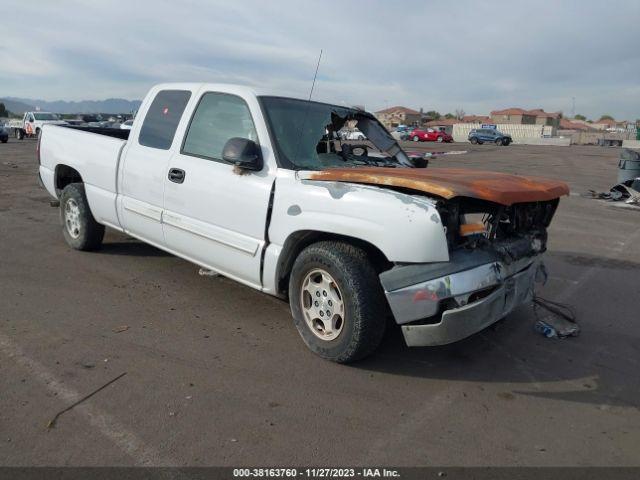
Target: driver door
{"x":215,"y":215}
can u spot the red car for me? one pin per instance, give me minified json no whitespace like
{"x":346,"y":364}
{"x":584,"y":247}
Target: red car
{"x":429,"y":135}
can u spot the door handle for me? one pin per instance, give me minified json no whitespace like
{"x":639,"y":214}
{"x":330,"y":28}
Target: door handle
{"x":176,"y":175}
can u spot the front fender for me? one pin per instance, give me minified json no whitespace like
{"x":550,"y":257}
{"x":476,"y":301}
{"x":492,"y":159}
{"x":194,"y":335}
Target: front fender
{"x":405,"y":228}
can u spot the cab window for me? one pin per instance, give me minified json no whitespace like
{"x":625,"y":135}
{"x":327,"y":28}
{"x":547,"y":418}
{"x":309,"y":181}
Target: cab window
{"x":218,"y":118}
{"x":160,"y":123}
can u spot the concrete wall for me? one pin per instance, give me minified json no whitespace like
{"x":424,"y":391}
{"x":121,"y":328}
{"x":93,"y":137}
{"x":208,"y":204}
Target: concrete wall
{"x":592,"y":138}
{"x":517,"y":131}
{"x":558,"y":142}
{"x":631,"y":143}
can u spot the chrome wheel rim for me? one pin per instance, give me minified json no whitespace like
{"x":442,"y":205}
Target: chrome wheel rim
{"x":322,"y":305}
{"x":72,"y":218}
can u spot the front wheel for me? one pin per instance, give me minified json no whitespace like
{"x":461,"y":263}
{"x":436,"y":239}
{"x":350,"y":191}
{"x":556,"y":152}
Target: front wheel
{"x":80,"y":229}
{"x":416,"y":138}
{"x":337,"y":301}
{"x":473,"y":140}
{"x":499,"y":141}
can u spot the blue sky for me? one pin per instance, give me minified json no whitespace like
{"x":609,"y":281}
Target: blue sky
{"x":472,"y":55}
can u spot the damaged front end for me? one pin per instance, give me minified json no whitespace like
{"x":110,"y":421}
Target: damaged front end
{"x":494,"y":260}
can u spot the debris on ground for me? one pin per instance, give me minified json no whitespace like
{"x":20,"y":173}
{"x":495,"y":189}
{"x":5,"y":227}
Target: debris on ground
{"x":121,"y":328}
{"x":208,"y":273}
{"x":559,"y":320}
{"x":53,"y":421}
{"x":627,"y":192}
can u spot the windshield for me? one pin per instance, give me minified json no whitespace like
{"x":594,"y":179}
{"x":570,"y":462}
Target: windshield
{"x":45,"y":116}
{"x":314,"y":136}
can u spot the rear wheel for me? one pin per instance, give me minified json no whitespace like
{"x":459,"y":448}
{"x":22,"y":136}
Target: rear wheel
{"x":474,"y":140}
{"x":337,"y":301}
{"x":80,"y":229}
{"x":416,"y":138}
{"x":499,"y":141}
{"x":439,"y":139}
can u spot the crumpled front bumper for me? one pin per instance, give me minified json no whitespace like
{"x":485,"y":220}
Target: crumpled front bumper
{"x":465,"y":296}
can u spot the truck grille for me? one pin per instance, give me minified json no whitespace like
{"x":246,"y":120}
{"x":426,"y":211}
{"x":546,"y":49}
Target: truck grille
{"x":513,"y":231}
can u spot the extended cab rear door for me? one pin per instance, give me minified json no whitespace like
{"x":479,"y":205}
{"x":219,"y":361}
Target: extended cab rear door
{"x":145,"y":163}
{"x":214,"y":214}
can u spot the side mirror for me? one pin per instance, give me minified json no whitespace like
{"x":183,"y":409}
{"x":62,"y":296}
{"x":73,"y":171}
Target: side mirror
{"x":242,"y":153}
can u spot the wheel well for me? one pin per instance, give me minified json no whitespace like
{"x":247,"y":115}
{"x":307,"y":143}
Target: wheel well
{"x":298,"y":241}
{"x":64,"y":175}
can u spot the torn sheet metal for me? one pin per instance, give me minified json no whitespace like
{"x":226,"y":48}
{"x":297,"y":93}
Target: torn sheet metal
{"x":628,"y":192}
{"x":502,"y":188}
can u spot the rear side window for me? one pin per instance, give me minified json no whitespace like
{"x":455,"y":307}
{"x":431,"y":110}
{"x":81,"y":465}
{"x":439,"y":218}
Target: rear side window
{"x":218,"y":117}
{"x":162,"y":119}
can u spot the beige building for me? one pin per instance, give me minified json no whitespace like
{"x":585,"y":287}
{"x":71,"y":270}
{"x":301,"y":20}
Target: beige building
{"x":394,"y":116}
{"x":513,"y":115}
{"x":526,"y":117}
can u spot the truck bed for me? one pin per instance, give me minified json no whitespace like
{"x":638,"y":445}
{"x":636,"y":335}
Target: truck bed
{"x":110,"y":132}
{"x":95,"y":154}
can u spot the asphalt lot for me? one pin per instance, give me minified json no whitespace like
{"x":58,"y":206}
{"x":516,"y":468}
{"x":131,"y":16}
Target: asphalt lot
{"x":217,"y":374}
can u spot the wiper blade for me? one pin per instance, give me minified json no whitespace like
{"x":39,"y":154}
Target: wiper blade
{"x":372,"y":161}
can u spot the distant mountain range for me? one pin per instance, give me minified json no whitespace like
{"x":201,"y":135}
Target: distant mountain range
{"x":110,"y":105}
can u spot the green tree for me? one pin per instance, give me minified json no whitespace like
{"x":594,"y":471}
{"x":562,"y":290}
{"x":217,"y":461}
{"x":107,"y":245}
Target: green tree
{"x":449,"y":116}
{"x":606,"y":117}
{"x":433,"y":115}
{"x":3,"y":110}
{"x":580,"y":117}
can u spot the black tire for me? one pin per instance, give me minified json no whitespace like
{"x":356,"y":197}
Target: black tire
{"x":20,"y":134}
{"x":416,"y":138}
{"x":87,"y":233}
{"x":499,"y":141}
{"x":473,"y":140}
{"x":5,"y":140}
{"x":365,"y":309}
{"x":506,"y":142}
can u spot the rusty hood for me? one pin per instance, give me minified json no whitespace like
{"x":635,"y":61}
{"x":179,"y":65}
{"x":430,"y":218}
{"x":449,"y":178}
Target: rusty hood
{"x":502,"y":188}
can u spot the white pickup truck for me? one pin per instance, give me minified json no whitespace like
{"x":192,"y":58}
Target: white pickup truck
{"x":262,"y":190}
{"x":32,"y":123}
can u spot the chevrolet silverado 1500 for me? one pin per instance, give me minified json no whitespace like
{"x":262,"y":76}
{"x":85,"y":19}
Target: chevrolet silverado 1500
{"x":261,"y":189}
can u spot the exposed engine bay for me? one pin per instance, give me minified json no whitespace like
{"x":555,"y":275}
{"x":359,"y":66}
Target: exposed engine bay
{"x":512,"y":232}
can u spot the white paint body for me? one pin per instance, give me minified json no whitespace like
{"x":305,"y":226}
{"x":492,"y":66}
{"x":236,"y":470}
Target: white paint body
{"x":219,"y":219}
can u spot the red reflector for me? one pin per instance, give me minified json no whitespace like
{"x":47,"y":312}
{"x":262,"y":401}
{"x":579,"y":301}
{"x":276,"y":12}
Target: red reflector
{"x":165,"y":110}
{"x":421,"y":295}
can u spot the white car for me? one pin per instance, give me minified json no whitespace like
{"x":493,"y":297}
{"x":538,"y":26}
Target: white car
{"x":225,"y":178}
{"x":126,"y":125}
{"x":355,"y":135}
